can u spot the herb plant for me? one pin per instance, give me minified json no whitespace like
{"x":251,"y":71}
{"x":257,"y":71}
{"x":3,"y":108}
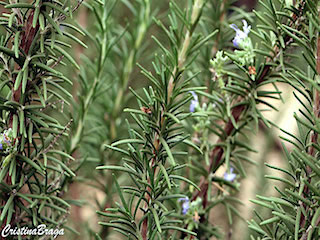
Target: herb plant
{"x":153,"y":106}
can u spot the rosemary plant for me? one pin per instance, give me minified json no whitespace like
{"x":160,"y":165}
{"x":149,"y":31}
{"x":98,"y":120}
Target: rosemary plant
{"x":296,"y":212}
{"x":239,"y":76}
{"x":228,"y":109}
{"x":175,"y":132}
{"x":104,"y":80}
{"x":144,"y":215}
{"x":34,"y":165}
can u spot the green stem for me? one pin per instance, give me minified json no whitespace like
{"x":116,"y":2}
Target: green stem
{"x":182,"y":55}
{"x":128,"y":68}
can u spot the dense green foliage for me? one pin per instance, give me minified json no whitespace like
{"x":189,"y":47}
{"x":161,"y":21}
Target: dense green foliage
{"x":35,"y":167}
{"x":157,"y":115}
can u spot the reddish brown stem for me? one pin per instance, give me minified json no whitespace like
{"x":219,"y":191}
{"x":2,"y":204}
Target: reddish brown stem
{"x":144,"y":229}
{"x":27,"y":37}
{"x":216,"y":156}
{"x":313,"y":138}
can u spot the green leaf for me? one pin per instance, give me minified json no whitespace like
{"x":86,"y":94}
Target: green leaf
{"x":25,"y":80}
{"x":15,"y":125}
{"x":270,"y":220}
{"x":174,"y":118}
{"x":284,"y":217}
{"x":18,"y":81}
{"x":118,"y":168}
{"x":65,"y":54}
{"x":297,"y":225}
{"x":178,"y":229}
{"x":46,"y":68}
{"x":191,"y":144}
{"x":156,"y":218}
{"x":30,"y":162}
{"x":19,"y":5}
{"x":163,"y":170}
{"x":35,"y":17}
{"x":168,"y":151}
{"x":55,"y":7}
{"x":68,"y":170}
{"x":185,"y":180}
{"x":52,"y":22}
{"x":6,"y":207}
{"x":16,"y":44}
{"x":124,"y":203}
{"x":21,"y":123}
{"x":125,"y":141}
{"x":42,"y":27}
{"x":77,"y":40}
{"x":125,"y":230}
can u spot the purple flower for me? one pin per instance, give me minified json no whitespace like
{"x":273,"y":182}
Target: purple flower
{"x":194,"y":102}
{"x":185,"y":204}
{"x":6,"y":139}
{"x":229,"y":176}
{"x":240,"y":34}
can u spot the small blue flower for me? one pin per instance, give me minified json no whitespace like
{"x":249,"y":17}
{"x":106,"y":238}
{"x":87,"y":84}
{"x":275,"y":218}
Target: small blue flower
{"x":185,"y":204}
{"x":6,"y":139}
{"x":240,"y":34}
{"x":229,"y":176}
{"x":194,"y":102}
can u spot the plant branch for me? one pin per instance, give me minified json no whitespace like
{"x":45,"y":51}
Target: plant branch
{"x":182,"y":54}
{"x":313,"y":137}
{"x":216,"y":157}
